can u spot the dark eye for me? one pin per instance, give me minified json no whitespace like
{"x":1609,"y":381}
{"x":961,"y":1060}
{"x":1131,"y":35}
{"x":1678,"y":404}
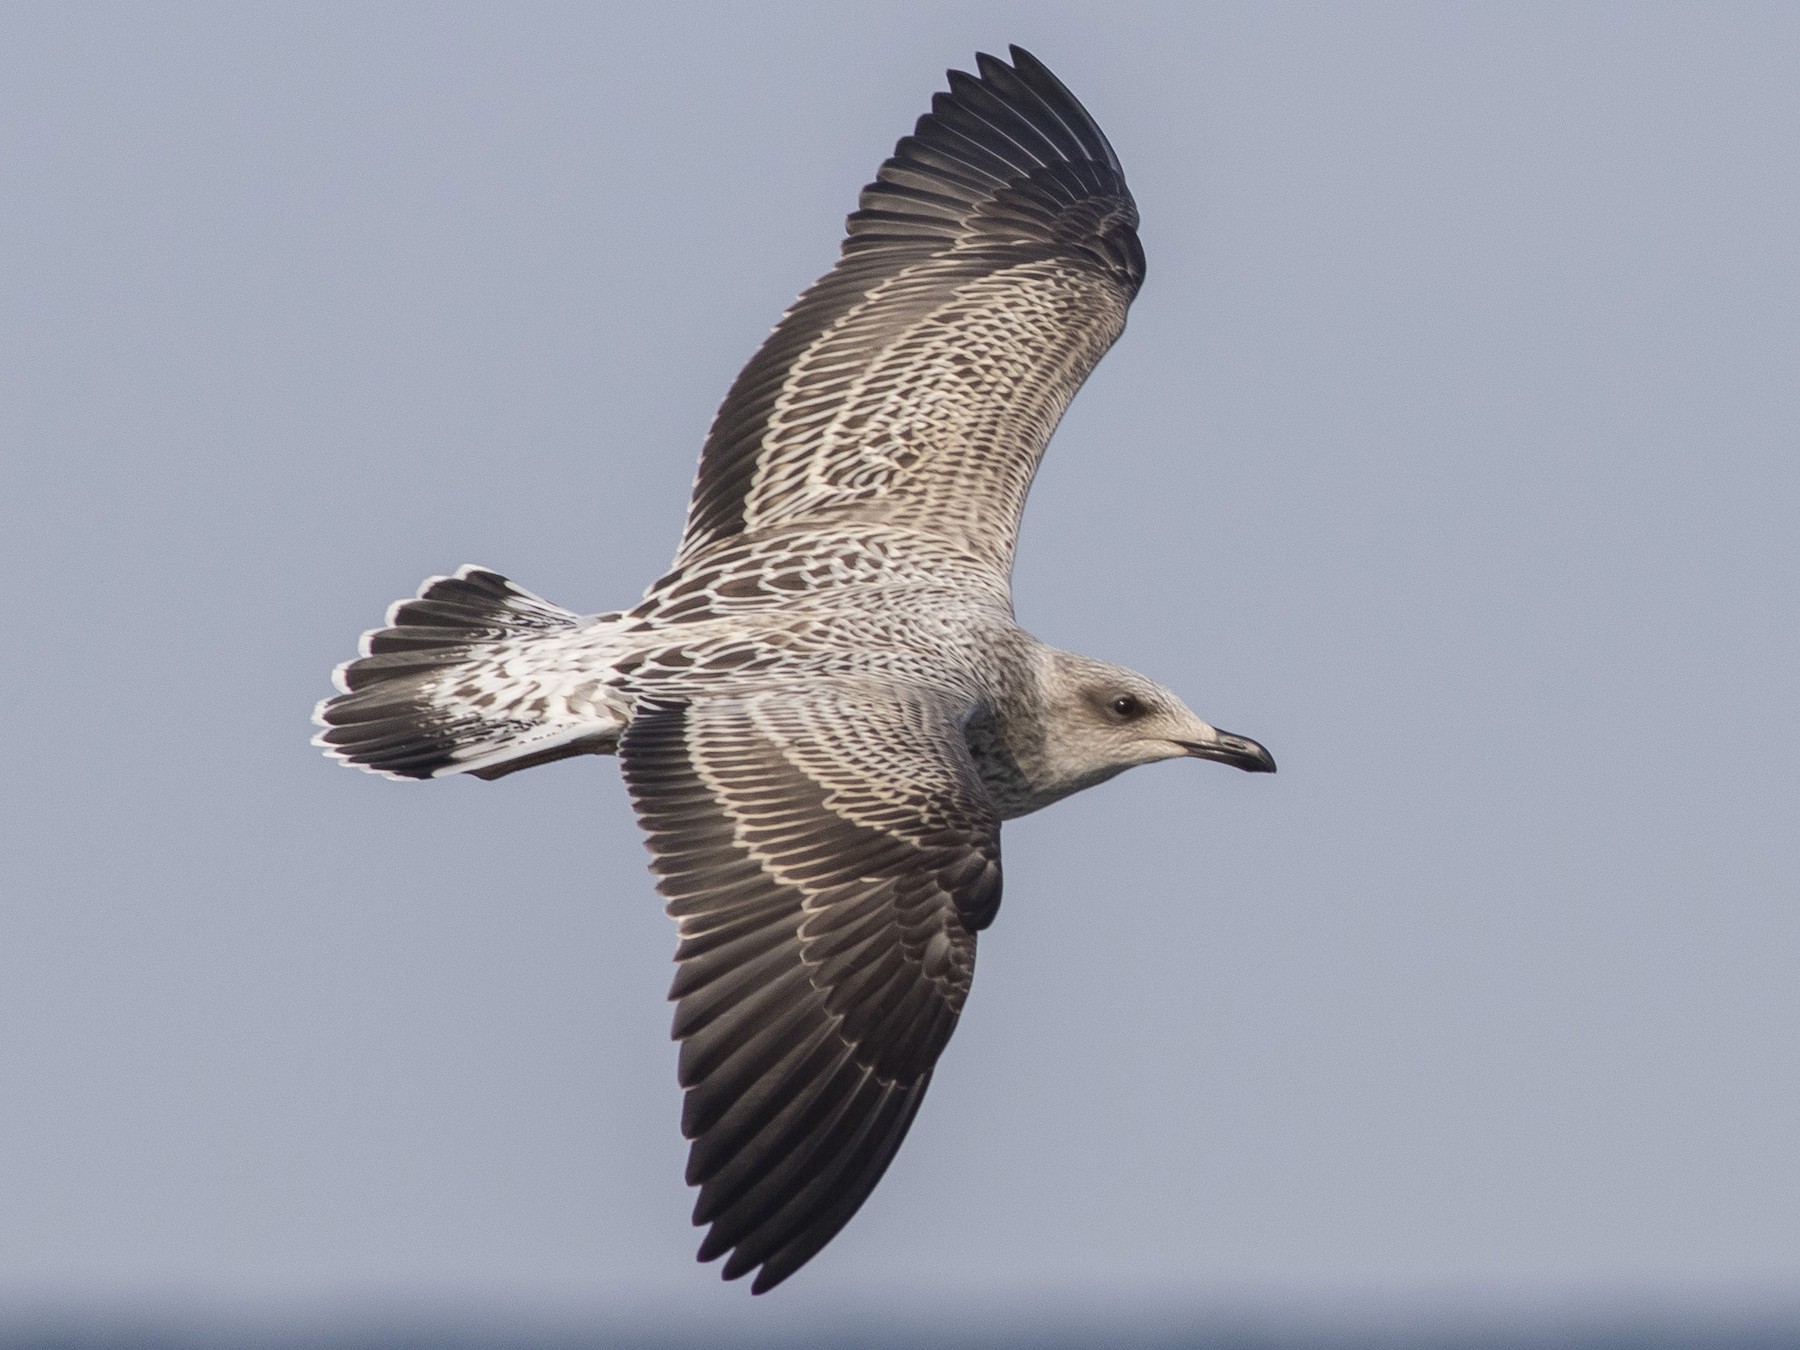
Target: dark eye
{"x":1126,"y":706}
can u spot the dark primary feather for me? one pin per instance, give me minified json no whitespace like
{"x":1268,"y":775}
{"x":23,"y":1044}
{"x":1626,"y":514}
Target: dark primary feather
{"x":1005,"y":205}
{"x":828,"y":938}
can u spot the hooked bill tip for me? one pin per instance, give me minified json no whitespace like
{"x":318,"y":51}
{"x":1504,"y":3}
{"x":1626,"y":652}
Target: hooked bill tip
{"x":1238,"y":751}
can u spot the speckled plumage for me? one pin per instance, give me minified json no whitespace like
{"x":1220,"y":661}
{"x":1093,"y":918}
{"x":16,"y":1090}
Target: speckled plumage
{"x":825,"y":709}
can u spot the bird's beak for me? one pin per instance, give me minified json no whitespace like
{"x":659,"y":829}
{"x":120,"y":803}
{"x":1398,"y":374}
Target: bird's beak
{"x":1238,"y":751}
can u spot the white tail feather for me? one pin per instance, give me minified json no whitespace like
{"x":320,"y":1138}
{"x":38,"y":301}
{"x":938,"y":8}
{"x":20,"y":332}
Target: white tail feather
{"x":474,"y":675}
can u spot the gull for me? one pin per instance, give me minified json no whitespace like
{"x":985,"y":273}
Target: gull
{"x":825,"y":709}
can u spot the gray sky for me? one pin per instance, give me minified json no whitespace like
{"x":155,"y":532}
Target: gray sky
{"x":1450,"y":452}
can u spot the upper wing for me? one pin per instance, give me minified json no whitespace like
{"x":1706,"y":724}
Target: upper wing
{"x":829,"y":862}
{"x":989,"y":268}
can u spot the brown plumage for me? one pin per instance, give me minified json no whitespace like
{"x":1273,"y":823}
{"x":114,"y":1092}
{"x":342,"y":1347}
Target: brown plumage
{"x":826,"y":709}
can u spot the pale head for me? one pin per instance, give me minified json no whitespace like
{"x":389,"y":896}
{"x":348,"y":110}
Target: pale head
{"x":1097,"y":720}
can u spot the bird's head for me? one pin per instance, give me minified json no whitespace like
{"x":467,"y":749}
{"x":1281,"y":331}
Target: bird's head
{"x":1104,"y":719}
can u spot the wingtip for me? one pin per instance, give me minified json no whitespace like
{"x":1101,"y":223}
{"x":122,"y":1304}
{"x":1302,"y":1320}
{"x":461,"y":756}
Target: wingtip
{"x":764,"y":1282}
{"x":1024,"y":61}
{"x":765,"y":1278}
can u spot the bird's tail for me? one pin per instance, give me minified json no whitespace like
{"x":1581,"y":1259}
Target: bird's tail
{"x":473,"y":675}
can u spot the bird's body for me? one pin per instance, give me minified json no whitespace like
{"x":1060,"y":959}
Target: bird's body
{"x":826,"y":708}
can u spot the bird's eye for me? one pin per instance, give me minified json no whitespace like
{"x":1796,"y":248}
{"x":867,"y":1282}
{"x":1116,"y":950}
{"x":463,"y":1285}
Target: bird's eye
{"x":1126,"y":706}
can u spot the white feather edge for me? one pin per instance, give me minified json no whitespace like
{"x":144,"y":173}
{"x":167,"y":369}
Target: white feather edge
{"x":341,"y":683}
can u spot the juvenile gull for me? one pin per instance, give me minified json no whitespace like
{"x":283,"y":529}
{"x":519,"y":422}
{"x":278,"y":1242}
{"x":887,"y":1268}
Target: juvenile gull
{"x":825,"y":709}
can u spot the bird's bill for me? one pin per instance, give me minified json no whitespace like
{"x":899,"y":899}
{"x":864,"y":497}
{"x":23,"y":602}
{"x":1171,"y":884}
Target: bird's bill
{"x":1238,"y":751}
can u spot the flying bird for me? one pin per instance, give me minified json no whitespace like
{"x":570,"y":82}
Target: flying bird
{"x":825,"y":709}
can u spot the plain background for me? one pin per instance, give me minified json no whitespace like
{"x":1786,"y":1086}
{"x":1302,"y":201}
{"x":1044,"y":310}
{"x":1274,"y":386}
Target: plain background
{"x":1451,"y":452}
